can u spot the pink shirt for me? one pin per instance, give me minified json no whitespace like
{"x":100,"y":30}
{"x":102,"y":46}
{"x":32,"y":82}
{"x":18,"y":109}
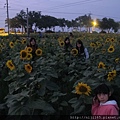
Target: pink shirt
{"x":108,"y":108}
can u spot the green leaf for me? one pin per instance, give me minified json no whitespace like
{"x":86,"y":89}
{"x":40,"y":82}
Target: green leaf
{"x":54,"y":99}
{"x":88,"y":100}
{"x":64,"y":103}
{"x":52,"y":74}
{"x":73,"y":100}
{"x":76,"y":104}
{"x":14,"y":109}
{"x":87,"y":73}
{"x":52,"y":86}
{"x":31,"y":78}
{"x":72,"y":78}
{"x":41,"y":104}
{"x":79,"y":109}
{"x":21,"y":75}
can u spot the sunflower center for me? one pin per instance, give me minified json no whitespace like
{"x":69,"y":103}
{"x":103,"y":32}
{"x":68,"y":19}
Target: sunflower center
{"x":111,"y":49}
{"x":83,"y":89}
{"x":11,"y":65}
{"x":11,"y":44}
{"x":38,"y":52}
{"x":29,"y":56}
{"x":29,"y":67}
{"x":74,"y":52}
{"x":24,"y":54}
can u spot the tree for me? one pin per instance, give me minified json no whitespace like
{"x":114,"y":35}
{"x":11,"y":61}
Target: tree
{"x":62,"y":23}
{"x":79,"y":20}
{"x":68,"y":24}
{"x":108,"y":24}
{"x":33,"y":19}
{"x":14,"y":23}
{"x":85,"y":21}
{"x":22,"y":18}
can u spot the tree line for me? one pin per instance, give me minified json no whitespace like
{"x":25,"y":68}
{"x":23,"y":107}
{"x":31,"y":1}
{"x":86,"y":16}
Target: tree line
{"x":46,"y":22}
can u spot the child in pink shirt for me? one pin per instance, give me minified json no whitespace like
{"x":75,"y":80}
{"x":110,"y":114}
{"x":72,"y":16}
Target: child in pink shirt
{"x":102,"y":102}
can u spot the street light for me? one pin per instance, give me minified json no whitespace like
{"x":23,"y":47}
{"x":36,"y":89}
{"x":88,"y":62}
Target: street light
{"x":94,"y":24}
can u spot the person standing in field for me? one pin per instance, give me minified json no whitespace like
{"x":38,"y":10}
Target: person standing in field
{"x":32,"y":43}
{"x":82,"y":51}
{"x":67,"y":46}
{"x":103,"y":102}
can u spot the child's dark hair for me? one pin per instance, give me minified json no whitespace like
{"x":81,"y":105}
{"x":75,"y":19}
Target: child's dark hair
{"x":67,"y":38}
{"x":103,"y":88}
{"x":82,"y":46}
{"x":33,"y":39}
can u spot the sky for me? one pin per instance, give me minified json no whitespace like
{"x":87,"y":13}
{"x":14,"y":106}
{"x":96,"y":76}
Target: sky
{"x":68,"y":9}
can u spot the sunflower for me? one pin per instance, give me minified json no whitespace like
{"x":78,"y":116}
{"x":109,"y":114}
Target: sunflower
{"x":111,"y":49}
{"x":10,"y":65}
{"x":109,"y":78}
{"x":61,"y":43}
{"x":93,"y":45}
{"x":0,"y":45}
{"x":82,"y":88}
{"x":38,"y":52}
{"x":11,"y":44}
{"x":117,"y":60}
{"x":17,"y":41}
{"x":111,"y":75}
{"x":24,"y":41}
{"x":74,"y":51}
{"x":107,"y":40}
{"x":3,"y":46}
{"x":29,"y":49}
{"x":112,"y":40}
{"x":28,"y":68}
{"x":23,"y":54}
{"x":103,"y":51}
{"x":98,"y":44}
{"x":60,"y":39}
{"x":101,"y":65}
{"x":29,"y":56}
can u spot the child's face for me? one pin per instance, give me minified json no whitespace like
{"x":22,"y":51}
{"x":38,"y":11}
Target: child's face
{"x":78,"y":45}
{"x":32,"y":42}
{"x":67,"y":41}
{"x":102,"y":97}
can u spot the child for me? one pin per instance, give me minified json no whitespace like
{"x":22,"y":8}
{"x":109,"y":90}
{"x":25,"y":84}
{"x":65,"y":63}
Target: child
{"x":103,"y":104}
{"x":33,"y":44}
{"x":68,"y":46}
{"x":82,"y":51}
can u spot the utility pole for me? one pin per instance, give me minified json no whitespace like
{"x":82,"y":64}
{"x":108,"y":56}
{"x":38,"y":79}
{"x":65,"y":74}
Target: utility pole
{"x":7,"y":15}
{"x":89,"y":17}
{"x":27,"y":25}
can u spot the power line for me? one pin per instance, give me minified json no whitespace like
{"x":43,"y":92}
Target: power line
{"x":74,"y":4}
{"x":80,"y":13}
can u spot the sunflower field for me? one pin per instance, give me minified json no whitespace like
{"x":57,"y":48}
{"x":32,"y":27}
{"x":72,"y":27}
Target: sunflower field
{"x":53,"y":82}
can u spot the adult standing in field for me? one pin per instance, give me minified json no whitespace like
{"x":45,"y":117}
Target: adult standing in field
{"x":67,"y":46}
{"x":82,"y":51}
